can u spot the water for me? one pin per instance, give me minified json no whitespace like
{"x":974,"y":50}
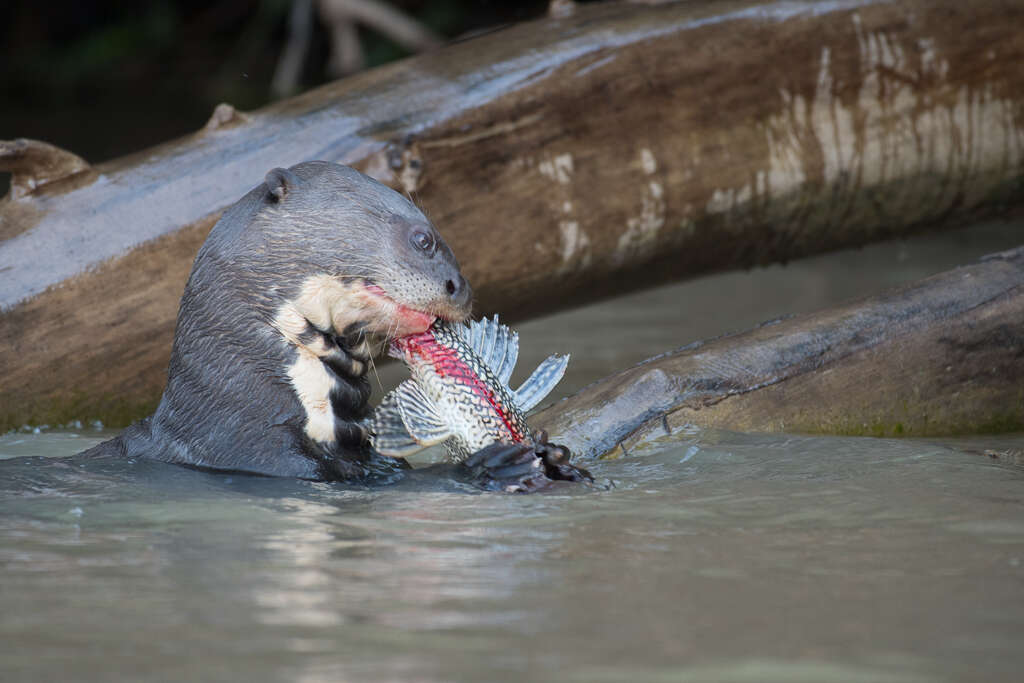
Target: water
{"x":712,"y":556}
{"x":725,"y":557}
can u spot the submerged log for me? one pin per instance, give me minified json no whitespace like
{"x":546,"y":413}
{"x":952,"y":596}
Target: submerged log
{"x":608,"y":148}
{"x":942,"y":356}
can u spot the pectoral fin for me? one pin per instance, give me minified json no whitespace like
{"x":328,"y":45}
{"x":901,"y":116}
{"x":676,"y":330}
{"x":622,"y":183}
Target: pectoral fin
{"x":390,"y":437}
{"x":541,"y":382}
{"x":419,"y":415}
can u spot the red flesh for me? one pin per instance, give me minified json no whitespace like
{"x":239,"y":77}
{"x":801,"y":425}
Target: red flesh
{"x":410,"y":319}
{"x":448,"y":364}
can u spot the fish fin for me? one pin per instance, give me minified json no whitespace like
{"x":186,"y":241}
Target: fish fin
{"x":541,"y":382}
{"x":389,"y":435}
{"x":497,"y":346}
{"x":505,"y":354}
{"x":486,"y":351}
{"x":419,"y":415}
{"x":476,"y":334}
{"x":511,"y":356}
{"x":464,"y":331}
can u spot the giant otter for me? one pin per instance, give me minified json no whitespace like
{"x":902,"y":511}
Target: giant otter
{"x":296,"y":286}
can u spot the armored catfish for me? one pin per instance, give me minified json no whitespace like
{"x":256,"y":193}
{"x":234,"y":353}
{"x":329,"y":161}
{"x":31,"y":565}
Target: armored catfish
{"x":459,"y":393}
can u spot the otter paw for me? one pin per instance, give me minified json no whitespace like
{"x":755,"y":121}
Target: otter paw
{"x":555,"y":459}
{"x":513,"y":468}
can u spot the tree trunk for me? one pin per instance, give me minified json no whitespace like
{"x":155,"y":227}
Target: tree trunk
{"x":942,"y":356}
{"x":564,"y":160}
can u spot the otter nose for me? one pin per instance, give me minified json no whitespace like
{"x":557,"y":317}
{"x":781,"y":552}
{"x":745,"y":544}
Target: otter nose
{"x":459,"y":291}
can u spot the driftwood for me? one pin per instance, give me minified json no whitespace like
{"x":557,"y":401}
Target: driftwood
{"x":608,"y":148}
{"x":942,"y":356}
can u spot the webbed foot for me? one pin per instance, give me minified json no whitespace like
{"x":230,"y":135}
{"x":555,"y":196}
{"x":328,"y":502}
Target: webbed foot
{"x":510,"y":467}
{"x":522,"y":468}
{"x":556,"y":460}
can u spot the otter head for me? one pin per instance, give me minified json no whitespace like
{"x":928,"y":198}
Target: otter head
{"x":348,"y":257}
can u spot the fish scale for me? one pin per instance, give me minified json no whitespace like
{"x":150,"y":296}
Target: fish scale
{"x":467,"y":369}
{"x":468,"y":383}
{"x":458,"y":393}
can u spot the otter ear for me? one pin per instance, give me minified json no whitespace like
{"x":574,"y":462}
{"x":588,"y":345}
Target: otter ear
{"x":280,"y":182}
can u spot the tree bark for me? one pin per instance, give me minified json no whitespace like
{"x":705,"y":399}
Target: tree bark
{"x":564,"y":160}
{"x":942,"y":356}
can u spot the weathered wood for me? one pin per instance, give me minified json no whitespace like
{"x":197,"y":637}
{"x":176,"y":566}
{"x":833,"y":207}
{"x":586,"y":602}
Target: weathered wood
{"x":564,"y":160}
{"x":32,"y":163}
{"x":942,"y":356}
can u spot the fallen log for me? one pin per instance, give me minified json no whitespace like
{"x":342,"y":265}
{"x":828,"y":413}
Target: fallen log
{"x":605,"y":149}
{"x":942,"y":356}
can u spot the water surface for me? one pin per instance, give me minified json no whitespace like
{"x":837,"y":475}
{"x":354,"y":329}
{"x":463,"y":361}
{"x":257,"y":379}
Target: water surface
{"x":712,"y":556}
{"x":723,"y":557}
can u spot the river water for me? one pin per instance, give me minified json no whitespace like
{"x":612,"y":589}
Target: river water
{"x":713,"y":556}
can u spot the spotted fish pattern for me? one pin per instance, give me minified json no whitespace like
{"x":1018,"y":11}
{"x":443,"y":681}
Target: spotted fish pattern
{"x":459,"y":392}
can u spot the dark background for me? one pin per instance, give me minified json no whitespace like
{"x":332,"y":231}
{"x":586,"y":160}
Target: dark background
{"x":102,"y":79}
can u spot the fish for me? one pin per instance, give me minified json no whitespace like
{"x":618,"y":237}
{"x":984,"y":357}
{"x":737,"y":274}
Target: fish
{"x":459,"y":392}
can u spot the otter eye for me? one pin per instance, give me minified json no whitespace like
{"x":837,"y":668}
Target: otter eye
{"x":423,"y":241}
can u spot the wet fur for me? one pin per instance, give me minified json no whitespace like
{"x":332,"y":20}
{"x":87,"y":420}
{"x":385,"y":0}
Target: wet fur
{"x":275,"y":329}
